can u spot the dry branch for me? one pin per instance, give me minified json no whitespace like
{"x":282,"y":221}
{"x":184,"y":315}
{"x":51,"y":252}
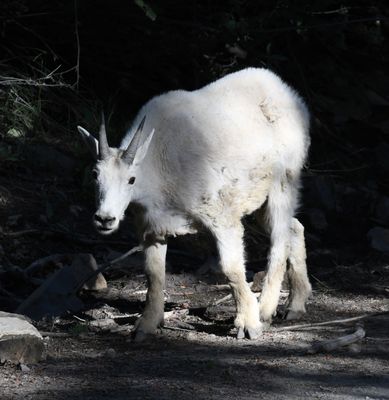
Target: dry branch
{"x":333,"y":322}
{"x":333,"y":344}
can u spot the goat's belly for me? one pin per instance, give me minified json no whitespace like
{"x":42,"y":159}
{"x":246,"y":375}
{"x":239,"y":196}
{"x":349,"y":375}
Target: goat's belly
{"x":163,"y":223}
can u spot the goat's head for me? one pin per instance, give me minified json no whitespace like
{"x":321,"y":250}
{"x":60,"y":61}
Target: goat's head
{"x":115,"y":175}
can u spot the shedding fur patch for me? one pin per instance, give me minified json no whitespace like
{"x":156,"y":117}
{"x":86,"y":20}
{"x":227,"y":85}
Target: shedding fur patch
{"x":269,"y":111}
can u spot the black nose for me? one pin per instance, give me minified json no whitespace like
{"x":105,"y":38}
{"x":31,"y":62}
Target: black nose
{"x":103,"y":219}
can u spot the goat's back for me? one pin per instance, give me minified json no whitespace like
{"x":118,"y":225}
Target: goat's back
{"x":246,"y":121}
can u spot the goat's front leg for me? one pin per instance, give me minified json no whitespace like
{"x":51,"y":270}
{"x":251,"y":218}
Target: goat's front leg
{"x":152,"y":317}
{"x":230,"y":245}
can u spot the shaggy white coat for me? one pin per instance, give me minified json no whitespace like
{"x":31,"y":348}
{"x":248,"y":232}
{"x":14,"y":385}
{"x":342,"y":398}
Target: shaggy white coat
{"x":217,"y":154}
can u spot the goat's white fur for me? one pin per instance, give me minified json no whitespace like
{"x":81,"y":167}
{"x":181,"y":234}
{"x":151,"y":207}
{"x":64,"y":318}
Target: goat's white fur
{"x":217,"y":154}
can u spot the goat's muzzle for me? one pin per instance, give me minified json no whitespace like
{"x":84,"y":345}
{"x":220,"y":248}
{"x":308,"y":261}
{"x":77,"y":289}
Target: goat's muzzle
{"x":105,"y":224}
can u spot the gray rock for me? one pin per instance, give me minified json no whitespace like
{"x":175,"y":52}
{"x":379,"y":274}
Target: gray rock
{"x":20,"y":342}
{"x":24,"y":368}
{"x":379,"y":239}
{"x":58,"y":293}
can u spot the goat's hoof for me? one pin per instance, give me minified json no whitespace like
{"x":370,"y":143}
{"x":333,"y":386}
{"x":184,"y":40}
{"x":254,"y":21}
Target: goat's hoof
{"x":251,"y":333}
{"x":140,"y":336}
{"x":240,"y":334}
{"x":290,"y":315}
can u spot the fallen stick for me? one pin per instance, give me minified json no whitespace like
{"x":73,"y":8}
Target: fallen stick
{"x":333,"y":322}
{"x":229,"y":296}
{"x":333,"y":344}
{"x":283,"y":293}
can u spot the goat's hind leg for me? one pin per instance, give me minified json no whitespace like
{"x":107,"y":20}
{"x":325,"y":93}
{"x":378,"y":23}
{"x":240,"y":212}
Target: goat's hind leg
{"x":299,"y":286}
{"x":279,"y":209}
{"x":231,"y":250}
{"x":152,"y":317}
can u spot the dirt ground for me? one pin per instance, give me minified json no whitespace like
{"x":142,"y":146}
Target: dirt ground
{"x":207,"y":362}
{"x":90,"y":353}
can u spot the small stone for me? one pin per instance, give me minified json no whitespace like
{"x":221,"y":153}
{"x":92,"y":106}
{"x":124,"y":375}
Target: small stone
{"x":110,"y":353}
{"x":102,"y":325}
{"x":191,"y":336}
{"x":24,"y":368}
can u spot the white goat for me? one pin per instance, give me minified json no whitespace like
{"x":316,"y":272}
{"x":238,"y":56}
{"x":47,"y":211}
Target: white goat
{"x":217,"y":154}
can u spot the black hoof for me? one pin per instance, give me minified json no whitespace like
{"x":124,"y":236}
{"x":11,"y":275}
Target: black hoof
{"x":249,"y":333}
{"x":291,"y":315}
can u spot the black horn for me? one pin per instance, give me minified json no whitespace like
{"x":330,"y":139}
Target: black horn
{"x":103,"y":142}
{"x":129,"y":154}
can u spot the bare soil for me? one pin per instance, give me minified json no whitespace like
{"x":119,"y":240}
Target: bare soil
{"x":91,"y":355}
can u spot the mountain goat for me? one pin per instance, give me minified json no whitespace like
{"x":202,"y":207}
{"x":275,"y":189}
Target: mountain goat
{"x":207,"y":158}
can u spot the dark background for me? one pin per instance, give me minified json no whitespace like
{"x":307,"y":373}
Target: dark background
{"x":62,"y":61}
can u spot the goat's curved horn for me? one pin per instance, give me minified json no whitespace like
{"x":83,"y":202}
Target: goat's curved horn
{"x":130,"y":152}
{"x":103,"y":142}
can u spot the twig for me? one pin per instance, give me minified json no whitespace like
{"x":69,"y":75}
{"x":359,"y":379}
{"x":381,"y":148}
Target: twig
{"x":222,"y":300}
{"x":56,"y":334}
{"x":333,"y":344}
{"x":377,"y":339}
{"x":173,"y":328}
{"x":229,"y":296}
{"x":320,"y":282}
{"x":103,"y":267}
{"x":20,"y":233}
{"x":333,"y":322}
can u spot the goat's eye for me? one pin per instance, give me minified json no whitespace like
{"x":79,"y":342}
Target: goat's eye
{"x":94,"y":175}
{"x":131,"y":180}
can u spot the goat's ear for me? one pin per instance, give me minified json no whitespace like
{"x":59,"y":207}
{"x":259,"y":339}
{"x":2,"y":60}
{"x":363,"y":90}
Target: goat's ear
{"x":142,"y":149}
{"x":91,"y":142}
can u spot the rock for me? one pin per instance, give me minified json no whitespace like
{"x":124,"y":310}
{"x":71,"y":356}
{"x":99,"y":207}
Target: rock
{"x":258,"y":281}
{"x":102,"y":325}
{"x":58,"y":294}
{"x":88,"y":262}
{"x":20,"y":341}
{"x":24,"y":368}
{"x":110,"y":353}
{"x":379,"y":239}
{"x":381,"y":211}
